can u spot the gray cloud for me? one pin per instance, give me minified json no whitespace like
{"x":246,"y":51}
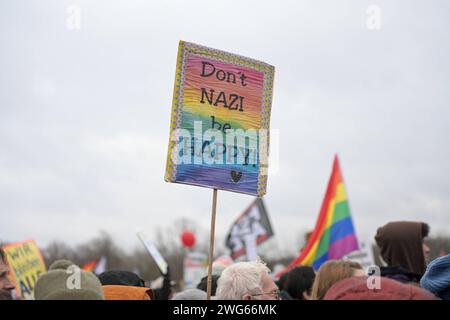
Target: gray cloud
{"x":84,"y":115}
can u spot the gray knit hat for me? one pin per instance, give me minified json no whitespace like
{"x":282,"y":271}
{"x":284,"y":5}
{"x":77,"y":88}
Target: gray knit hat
{"x":66,"y":281}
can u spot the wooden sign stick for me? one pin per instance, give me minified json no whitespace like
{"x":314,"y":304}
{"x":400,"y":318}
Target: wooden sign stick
{"x":211,"y":245}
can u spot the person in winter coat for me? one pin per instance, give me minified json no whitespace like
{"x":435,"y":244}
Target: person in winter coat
{"x":331,"y":272}
{"x":402,"y":247}
{"x":66,"y":281}
{"x":281,"y":284}
{"x":246,"y":281}
{"x":437,"y":277}
{"x":357,"y":288}
{"x":5,"y":283}
{"x":299,"y":282}
{"x":124,"y":285}
{"x":115,"y":283}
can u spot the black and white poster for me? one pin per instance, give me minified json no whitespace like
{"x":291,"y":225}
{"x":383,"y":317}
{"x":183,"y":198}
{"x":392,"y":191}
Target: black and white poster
{"x":249,"y":230}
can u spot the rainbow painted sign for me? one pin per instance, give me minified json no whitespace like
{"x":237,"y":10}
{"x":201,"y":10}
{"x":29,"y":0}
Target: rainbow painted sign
{"x":219,"y":133}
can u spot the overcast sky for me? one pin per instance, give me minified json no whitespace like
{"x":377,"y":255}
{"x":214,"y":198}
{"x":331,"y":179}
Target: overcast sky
{"x":84,"y":113}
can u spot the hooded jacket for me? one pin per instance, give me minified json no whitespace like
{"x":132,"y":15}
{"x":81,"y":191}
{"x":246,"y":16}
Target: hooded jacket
{"x":401,"y":247}
{"x":356,"y":288}
{"x":115,"y":292}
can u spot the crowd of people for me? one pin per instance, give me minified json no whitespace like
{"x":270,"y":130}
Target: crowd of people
{"x":406,"y":275}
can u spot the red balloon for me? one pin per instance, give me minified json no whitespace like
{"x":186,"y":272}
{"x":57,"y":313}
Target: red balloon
{"x":188,"y":239}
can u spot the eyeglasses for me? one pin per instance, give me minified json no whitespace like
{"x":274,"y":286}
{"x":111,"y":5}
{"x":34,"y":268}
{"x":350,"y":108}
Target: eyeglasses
{"x":275,"y":293}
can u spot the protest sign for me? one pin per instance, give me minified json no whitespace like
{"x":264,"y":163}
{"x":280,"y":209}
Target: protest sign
{"x":249,"y":230}
{"x":220,"y":121}
{"x":26,"y":265}
{"x":194,"y":268}
{"x":219,"y":128}
{"x":154,"y":252}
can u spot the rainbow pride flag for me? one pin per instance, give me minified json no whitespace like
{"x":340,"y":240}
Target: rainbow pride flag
{"x":90,"y":266}
{"x":334,"y":235}
{"x":97,"y":266}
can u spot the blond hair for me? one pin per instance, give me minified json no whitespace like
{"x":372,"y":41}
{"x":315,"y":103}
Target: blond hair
{"x":331,"y":272}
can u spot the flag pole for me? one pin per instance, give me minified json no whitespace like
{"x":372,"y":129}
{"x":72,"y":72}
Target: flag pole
{"x":211,"y":245}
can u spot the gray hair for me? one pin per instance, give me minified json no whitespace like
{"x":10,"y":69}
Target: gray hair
{"x":241,"y":278}
{"x":190,"y":294}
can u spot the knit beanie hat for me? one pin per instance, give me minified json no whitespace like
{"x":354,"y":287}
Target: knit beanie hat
{"x":437,"y":277}
{"x":66,"y":281}
{"x":203,"y":284}
{"x":121,"y":278}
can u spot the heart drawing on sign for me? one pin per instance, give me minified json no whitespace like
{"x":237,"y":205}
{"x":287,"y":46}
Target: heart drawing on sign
{"x":236,"y":176}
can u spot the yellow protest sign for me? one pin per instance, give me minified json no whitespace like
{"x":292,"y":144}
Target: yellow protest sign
{"x":26,"y":265}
